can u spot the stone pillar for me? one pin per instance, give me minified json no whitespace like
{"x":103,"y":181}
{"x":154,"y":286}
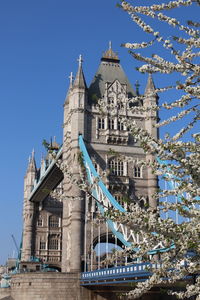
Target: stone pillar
{"x":73,"y":226}
{"x":75,"y":123}
{"x":28,"y":211}
{"x":151,"y":119}
{"x":27,"y":245}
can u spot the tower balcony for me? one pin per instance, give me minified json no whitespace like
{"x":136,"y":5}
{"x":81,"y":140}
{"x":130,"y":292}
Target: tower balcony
{"x":117,"y":137}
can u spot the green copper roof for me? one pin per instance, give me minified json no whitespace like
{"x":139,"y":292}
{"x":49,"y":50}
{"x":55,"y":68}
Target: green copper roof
{"x":109,"y":71}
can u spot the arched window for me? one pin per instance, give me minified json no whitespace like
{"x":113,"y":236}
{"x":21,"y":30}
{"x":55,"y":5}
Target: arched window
{"x":101,"y":123}
{"x":111,"y":100}
{"x":137,"y":172}
{"x":116,"y":167}
{"x":120,"y":125}
{"x":111,"y":124}
{"x":53,"y":221}
{"x":53,"y":242}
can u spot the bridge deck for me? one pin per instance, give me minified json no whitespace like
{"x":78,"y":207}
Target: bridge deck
{"x":115,"y":275}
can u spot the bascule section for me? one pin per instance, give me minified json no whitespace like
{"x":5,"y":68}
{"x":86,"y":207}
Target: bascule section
{"x":62,"y":227}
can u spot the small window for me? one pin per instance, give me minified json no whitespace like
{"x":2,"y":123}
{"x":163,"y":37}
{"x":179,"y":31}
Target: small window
{"x":116,"y":167}
{"x":53,"y":222}
{"x":40,"y":222}
{"x":111,"y":100}
{"x":111,"y":124}
{"x":137,"y":172}
{"x":120,"y":125}
{"x":53,"y":242}
{"x":42,"y":245}
{"x":101,"y":123}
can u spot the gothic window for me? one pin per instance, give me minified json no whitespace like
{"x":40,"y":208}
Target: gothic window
{"x":53,"y":242}
{"x":120,"y":102}
{"x":53,"y":222}
{"x":120,"y":125}
{"x":39,"y":222}
{"x":116,"y":167}
{"x":111,"y":123}
{"x":110,"y":100}
{"x":120,"y":105}
{"x":137,"y":172}
{"x":42,"y":245}
{"x":101,"y":123}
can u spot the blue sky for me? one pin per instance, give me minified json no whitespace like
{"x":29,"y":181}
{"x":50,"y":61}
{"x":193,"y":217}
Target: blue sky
{"x":40,"y":43}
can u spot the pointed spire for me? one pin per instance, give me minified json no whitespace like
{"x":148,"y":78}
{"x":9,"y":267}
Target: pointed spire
{"x":137,"y":86}
{"x":32,"y":163}
{"x":71,"y":77}
{"x":42,"y":165}
{"x":79,"y":81}
{"x":150,"y":87}
{"x":80,"y":60}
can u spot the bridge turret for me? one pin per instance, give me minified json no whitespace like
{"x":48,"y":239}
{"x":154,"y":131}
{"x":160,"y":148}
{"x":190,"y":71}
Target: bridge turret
{"x":75,"y":123}
{"x":150,"y":101}
{"x":31,"y":172}
{"x":75,"y":105}
{"x":28,"y":209}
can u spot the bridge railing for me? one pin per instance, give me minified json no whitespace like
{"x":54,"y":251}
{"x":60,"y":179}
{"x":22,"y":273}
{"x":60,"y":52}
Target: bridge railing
{"x":142,"y":270}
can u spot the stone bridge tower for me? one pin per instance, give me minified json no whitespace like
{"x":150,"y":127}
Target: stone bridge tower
{"x":59,"y":229}
{"x":104,"y":135}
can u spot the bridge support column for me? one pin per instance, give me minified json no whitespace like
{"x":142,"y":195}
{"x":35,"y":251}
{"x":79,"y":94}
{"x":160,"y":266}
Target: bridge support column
{"x":73,"y":224}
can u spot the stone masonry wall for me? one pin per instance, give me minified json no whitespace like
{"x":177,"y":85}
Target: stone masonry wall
{"x":4,"y":292}
{"x":66,"y":286}
{"x":45,"y":286}
{"x":51,"y":286}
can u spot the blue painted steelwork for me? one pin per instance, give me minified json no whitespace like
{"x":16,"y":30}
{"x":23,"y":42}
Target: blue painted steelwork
{"x":88,"y":163}
{"x":128,"y":273}
{"x":94,"y":176}
{"x":122,"y":274}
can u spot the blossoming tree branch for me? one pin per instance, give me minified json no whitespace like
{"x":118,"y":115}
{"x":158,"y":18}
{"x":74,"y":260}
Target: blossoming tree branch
{"x":175,"y":157}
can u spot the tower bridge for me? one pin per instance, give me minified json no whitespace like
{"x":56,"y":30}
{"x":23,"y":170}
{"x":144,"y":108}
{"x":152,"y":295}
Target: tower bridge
{"x":61,"y":227}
